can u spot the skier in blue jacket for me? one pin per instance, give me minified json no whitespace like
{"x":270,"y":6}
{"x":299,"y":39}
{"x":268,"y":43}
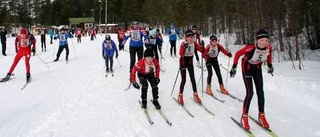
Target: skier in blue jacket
{"x":136,"y":33}
{"x":63,"y":43}
{"x":173,"y":32}
{"x":108,"y":49}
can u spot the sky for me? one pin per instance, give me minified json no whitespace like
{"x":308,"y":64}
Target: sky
{"x":77,"y":100}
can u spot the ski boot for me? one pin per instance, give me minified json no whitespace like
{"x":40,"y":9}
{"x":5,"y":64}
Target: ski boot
{"x":28,"y":77}
{"x":156,"y":104}
{"x":144,"y":103}
{"x":209,"y":91}
{"x":196,"y":97}
{"x":263,"y":120}
{"x":223,"y":90}
{"x":245,"y":122}
{"x":180,"y":98}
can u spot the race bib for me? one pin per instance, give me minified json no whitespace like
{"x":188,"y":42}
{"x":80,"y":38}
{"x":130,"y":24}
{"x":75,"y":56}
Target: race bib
{"x":62,"y":37}
{"x":259,"y":56}
{"x":150,"y":68}
{"x":135,"y":35}
{"x":152,"y":41}
{"x":24,"y":42}
{"x":108,"y":45}
{"x":189,"y":51}
{"x":213,"y":52}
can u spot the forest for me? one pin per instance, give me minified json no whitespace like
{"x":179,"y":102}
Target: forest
{"x":293,"y":24}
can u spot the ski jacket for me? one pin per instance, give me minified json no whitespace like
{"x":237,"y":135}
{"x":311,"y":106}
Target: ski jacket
{"x":108,"y":48}
{"x":121,"y":35}
{"x":159,"y":39}
{"x":172,"y":32}
{"x":212,"y":52}
{"x":253,"y":56}
{"x":63,"y":38}
{"x":145,"y":69}
{"x":25,"y":44}
{"x":136,"y":35}
{"x":51,"y":33}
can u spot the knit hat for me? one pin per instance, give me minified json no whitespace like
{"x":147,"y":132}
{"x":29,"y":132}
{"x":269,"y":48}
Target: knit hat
{"x":23,"y":31}
{"x":135,"y":22}
{"x":152,"y":32}
{"x":213,"y":37}
{"x":108,"y":37}
{"x":148,"y":53}
{"x":194,"y":27}
{"x":262,"y":34}
{"x":189,"y":33}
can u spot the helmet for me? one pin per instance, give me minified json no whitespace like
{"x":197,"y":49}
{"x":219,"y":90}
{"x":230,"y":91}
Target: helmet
{"x":108,"y":37}
{"x":213,"y":37}
{"x":189,"y":33}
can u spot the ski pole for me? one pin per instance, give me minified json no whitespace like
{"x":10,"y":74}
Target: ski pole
{"x":74,"y":50}
{"x":224,"y":68}
{"x":175,"y":82}
{"x":118,"y":62}
{"x":42,"y":61}
{"x":167,"y":47}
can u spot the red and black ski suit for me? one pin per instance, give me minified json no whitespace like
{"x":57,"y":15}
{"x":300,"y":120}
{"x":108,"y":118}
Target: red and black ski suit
{"x":211,"y":56}
{"x":23,"y":49}
{"x":251,"y":69}
{"x":146,"y":72}
{"x":186,"y":62}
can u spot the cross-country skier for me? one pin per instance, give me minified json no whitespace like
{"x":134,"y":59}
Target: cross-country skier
{"x":153,"y":43}
{"x":23,"y":45}
{"x":108,"y":50}
{"x":173,"y":36}
{"x":121,"y":34}
{"x":136,"y":33}
{"x":254,"y":55}
{"x":43,"y":40}
{"x":196,"y":38}
{"x":159,"y":42}
{"x":210,"y":54}
{"x":187,"y":49}
{"x":63,"y":43}
{"x":148,"y":70}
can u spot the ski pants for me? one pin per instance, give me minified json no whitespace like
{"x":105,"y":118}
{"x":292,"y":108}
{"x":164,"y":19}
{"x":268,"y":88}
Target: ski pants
{"x":4,"y":47}
{"x":252,"y":72}
{"x":21,"y":53}
{"x":144,"y":79}
{"x":213,"y":63}
{"x":133,"y":51}
{"x":173,"y":48}
{"x":61,"y":49}
{"x":186,"y":64}
{"x":107,"y":58}
{"x":43,"y":42}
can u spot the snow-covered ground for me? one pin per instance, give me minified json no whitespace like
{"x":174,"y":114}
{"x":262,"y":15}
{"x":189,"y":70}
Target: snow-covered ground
{"x":77,"y":100}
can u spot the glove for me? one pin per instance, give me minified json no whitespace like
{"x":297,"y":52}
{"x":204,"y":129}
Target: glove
{"x":202,"y":43}
{"x":270,"y":70}
{"x":121,"y":47}
{"x":229,"y":55}
{"x":104,"y":57}
{"x":135,"y":85}
{"x":233,"y":70}
{"x":117,"y":55}
{"x":186,"y":45}
{"x":157,"y":80}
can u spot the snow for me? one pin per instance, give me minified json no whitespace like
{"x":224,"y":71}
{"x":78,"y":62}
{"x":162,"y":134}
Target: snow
{"x":77,"y":100}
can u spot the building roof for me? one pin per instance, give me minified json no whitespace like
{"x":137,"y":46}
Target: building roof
{"x":75,"y":21}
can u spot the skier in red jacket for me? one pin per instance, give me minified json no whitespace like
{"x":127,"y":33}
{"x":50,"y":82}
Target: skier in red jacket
{"x":148,"y":70}
{"x":187,"y":50}
{"x":23,"y":48}
{"x":254,"y":56}
{"x":210,"y":54}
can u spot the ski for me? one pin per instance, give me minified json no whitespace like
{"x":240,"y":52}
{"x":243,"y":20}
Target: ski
{"x":183,"y":107}
{"x":163,"y":115}
{"x":204,"y":107}
{"x":214,"y":97}
{"x":147,"y":114}
{"x":162,"y":70}
{"x":25,"y":84}
{"x":5,"y":79}
{"x":129,"y":86}
{"x":232,"y":96}
{"x":269,"y":131}
{"x":248,"y":132}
